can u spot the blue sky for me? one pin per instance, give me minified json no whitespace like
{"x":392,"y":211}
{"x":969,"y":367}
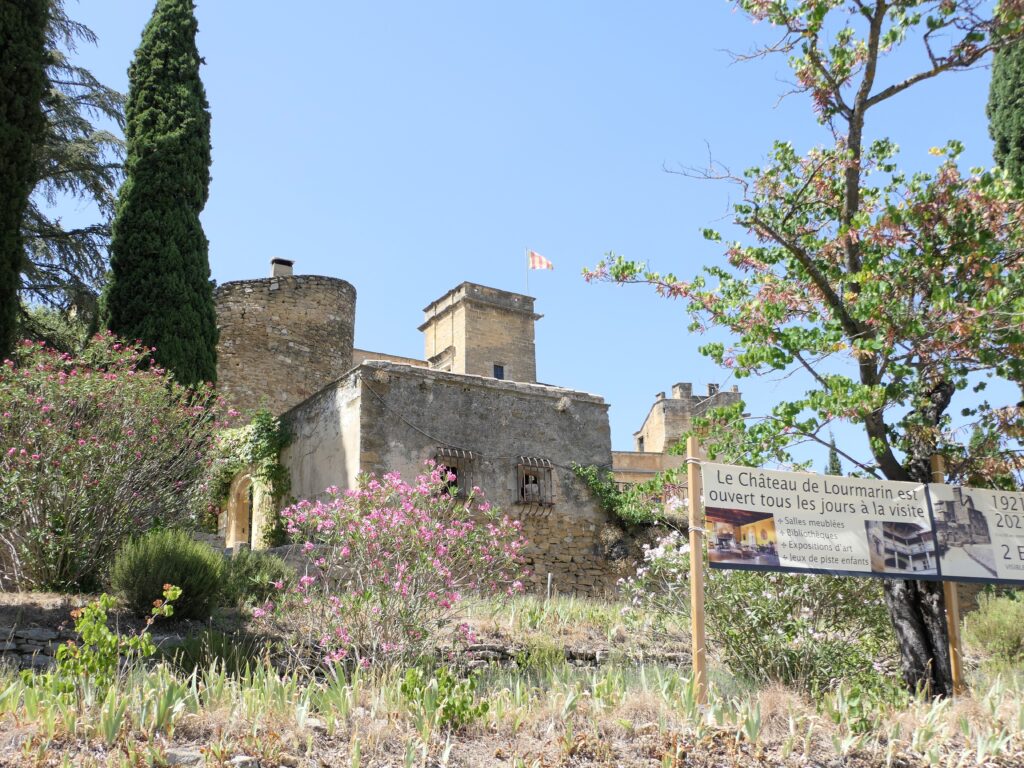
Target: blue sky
{"x":408,"y":146}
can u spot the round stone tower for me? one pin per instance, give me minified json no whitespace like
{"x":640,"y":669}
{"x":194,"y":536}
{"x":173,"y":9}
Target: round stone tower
{"x":282,"y":338}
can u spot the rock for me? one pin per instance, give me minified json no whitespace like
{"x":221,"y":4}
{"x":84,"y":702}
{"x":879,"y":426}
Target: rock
{"x":6,"y":645}
{"x":288,"y":761}
{"x":244,"y":761}
{"x":183,"y":756}
{"x":38,"y":634}
{"x":316,"y":725}
{"x":488,"y":655}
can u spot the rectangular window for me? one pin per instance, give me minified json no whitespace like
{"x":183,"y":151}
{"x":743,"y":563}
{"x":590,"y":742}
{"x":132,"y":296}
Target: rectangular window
{"x":534,"y":481}
{"x":459,"y":463}
{"x":499,"y":371}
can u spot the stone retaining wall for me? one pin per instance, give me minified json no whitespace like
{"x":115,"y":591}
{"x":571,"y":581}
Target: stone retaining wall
{"x":36,"y":647}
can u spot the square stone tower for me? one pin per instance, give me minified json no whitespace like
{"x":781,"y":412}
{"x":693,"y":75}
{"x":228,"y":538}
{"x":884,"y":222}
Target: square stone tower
{"x":483,"y":331}
{"x":671,"y":417}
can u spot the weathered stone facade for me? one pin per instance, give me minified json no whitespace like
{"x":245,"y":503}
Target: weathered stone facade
{"x":282,"y":339}
{"x":482,"y":331}
{"x":631,"y":467}
{"x":670,"y":418}
{"x":385,"y":416}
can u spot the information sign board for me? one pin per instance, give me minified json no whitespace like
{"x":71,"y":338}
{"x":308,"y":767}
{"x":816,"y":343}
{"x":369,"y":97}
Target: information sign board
{"x":760,"y":519}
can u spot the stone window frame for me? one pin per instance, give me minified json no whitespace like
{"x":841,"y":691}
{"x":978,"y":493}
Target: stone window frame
{"x":543,"y":471}
{"x":460,"y":463}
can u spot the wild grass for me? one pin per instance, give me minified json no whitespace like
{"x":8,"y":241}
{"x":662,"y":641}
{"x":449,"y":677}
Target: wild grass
{"x":541,"y":711}
{"x":574,"y":622}
{"x":595,"y":716}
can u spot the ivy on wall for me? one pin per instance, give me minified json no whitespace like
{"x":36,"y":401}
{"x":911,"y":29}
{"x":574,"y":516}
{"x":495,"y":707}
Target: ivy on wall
{"x":639,"y":504}
{"x":255,"y":448}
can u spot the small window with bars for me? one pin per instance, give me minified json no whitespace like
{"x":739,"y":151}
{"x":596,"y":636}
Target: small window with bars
{"x":457,"y":462}
{"x":534,"y":481}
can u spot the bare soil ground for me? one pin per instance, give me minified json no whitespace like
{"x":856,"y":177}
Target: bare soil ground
{"x":53,"y":611}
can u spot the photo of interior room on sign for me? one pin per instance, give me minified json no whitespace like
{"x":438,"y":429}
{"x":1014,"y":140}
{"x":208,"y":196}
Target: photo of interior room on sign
{"x":742,"y":537}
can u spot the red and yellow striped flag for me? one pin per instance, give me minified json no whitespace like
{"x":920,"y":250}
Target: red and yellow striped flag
{"x":537,"y":261}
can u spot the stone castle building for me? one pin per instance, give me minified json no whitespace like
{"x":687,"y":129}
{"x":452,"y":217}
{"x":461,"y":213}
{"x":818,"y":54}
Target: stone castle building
{"x":473,"y":403}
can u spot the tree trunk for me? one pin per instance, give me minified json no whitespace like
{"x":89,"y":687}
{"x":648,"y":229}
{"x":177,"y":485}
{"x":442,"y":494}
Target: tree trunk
{"x":918,"y":614}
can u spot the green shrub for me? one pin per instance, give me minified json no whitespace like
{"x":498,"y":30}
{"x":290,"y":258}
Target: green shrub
{"x":231,"y":654}
{"x":101,"y":652}
{"x":442,"y":698}
{"x":813,"y":632}
{"x":169,"y":556}
{"x":250,"y":577}
{"x":997,"y":628}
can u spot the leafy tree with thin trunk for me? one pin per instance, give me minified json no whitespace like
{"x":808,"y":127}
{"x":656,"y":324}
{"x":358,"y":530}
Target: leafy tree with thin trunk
{"x":891,"y":296}
{"x":22,"y":82}
{"x":76,"y":160}
{"x":159,"y":289}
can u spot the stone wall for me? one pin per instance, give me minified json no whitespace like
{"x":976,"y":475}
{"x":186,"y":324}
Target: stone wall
{"x":360,"y":356}
{"x":282,"y":339}
{"x":389,"y":417}
{"x":35,"y":647}
{"x":631,"y":467}
{"x":409,"y":415}
{"x":324,"y":447}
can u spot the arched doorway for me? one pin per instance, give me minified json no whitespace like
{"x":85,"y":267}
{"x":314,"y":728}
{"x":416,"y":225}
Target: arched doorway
{"x":238,"y":525}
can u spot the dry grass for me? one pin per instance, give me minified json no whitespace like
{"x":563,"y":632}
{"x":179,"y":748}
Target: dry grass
{"x":578,"y":623}
{"x":543,"y":713}
{"x":565,"y":717}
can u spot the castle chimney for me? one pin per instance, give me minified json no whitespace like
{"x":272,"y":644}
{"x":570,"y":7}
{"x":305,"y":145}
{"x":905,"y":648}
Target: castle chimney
{"x":659,"y":396}
{"x":281,"y":267}
{"x":712,"y":390}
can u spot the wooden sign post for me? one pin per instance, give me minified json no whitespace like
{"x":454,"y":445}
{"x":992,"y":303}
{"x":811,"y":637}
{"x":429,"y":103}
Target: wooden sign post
{"x":696,"y":526}
{"x":952,"y":600}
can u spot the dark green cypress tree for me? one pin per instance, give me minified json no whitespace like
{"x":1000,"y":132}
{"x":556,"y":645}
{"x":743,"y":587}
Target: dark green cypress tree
{"x":1006,"y":110}
{"x":834,"y":466}
{"x":22,"y":80}
{"x":159,"y":289}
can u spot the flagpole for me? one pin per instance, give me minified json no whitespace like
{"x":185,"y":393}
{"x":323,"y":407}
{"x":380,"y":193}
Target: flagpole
{"x":526,"y":253}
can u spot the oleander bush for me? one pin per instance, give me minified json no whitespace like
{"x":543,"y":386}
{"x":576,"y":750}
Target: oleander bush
{"x":390,"y":563}
{"x":94,"y":448}
{"x":169,"y":556}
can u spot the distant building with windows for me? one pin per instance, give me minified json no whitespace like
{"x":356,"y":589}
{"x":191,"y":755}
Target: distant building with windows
{"x":472,"y":404}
